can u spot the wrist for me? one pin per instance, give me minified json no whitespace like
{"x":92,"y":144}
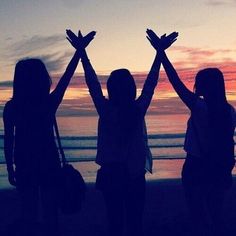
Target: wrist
{"x":84,"y":56}
{"x":77,"y":53}
{"x":160,"y":51}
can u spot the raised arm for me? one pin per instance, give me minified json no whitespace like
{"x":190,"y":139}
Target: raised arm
{"x":60,"y":89}
{"x":91,"y":78}
{"x":149,"y":86}
{"x":152,"y":78}
{"x":160,"y":44}
{"x":9,"y":143}
{"x":187,"y":96}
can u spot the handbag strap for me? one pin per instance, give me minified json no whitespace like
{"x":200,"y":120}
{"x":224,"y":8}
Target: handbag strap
{"x":63,"y":157}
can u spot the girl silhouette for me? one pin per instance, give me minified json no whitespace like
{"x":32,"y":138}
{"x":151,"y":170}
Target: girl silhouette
{"x":31,"y":153}
{"x":122,"y":148}
{"x":209,"y":143}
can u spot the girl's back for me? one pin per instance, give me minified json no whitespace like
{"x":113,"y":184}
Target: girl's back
{"x":33,"y":131}
{"x":121,"y":136}
{"x":35,"y":150}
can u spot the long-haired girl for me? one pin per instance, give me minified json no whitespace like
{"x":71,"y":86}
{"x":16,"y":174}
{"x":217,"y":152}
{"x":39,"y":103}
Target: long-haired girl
{"x":209,"y":143}
{"x":30,"y":150}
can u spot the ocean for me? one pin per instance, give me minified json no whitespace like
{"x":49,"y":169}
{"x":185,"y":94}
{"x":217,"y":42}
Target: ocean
{"x":79,"y":135}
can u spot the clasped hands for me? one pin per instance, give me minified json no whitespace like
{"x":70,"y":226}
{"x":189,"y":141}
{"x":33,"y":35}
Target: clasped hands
{"x":162,"y":43}
{"x":80,"y":42}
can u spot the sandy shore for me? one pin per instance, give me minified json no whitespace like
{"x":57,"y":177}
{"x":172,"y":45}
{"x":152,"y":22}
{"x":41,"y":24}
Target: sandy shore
{"x":165,"y":212}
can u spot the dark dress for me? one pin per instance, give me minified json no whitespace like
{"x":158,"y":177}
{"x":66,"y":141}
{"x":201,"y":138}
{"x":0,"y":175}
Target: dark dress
{"x":36,"y":161}
{"x":35,"y":152}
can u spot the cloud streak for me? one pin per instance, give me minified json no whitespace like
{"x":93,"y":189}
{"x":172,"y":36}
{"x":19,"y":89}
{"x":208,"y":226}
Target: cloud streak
{"x":38,"y":47}
{"x":217,"y":3}
{"x":77,"y":101}
{"x":194,"y":57}
{"x":55,"y":62}
{"x":33,"y":44}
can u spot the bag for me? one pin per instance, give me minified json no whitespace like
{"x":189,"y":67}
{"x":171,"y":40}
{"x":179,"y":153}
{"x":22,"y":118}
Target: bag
{"x":72,"y":187}
{"x":72,"y":190}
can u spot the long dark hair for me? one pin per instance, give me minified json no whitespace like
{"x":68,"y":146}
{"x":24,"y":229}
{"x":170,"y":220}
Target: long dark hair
{"x":122,"y":94}
{"x":121,"y":87}
{"x":209,"y":83}
{"x":31,"y":82}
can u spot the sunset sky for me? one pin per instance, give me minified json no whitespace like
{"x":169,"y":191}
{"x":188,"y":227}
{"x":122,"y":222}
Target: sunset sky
{"x":36,"y":28}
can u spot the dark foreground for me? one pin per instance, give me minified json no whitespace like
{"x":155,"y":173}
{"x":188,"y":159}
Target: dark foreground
{"x":165,"y":212}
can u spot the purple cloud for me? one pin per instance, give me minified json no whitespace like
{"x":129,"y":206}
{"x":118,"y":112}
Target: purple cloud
{"x":29,"y":45}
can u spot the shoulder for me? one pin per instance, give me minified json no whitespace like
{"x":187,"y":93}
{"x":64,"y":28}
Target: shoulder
{"x":200,"y":104}
{"x":199,"y":107}
{"x":199,"y":113}
{"x":8,"y":111}
{"x":233,"y":114}
{"x":104,"y":107}
{"x":8,"y":108}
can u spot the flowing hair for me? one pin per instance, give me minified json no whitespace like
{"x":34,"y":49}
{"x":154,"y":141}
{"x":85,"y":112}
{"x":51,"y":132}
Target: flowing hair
{"x":31,"y":82}
{"x":209,"y":83}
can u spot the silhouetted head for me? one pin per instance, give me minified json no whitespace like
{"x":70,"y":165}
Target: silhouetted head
{"x":209,"y":83}
{"x":31,"y":81}
{"x":121,"y":87}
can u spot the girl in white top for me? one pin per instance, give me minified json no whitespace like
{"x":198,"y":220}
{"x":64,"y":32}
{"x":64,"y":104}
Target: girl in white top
{"x":209,"y":142}
{"x":122,"y":148}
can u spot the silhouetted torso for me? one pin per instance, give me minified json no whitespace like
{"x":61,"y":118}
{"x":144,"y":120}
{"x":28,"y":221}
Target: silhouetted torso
{"x":122,"y":134}
{"x":121,"y":137}
{"x":35,"y":150}
{"x":211,"y":131}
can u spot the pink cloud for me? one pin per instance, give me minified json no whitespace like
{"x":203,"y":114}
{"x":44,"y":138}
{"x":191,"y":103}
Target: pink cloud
{"x":195,"y":55}
{"x":165,"y":99}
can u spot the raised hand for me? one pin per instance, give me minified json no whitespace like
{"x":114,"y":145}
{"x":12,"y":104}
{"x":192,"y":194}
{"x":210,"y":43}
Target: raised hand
{"x":79,"y":42}
{"x":161,"y":43}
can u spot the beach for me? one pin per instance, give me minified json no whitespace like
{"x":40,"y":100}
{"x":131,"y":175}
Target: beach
{"x":39,"y":30}
{"x":165,"y":210}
